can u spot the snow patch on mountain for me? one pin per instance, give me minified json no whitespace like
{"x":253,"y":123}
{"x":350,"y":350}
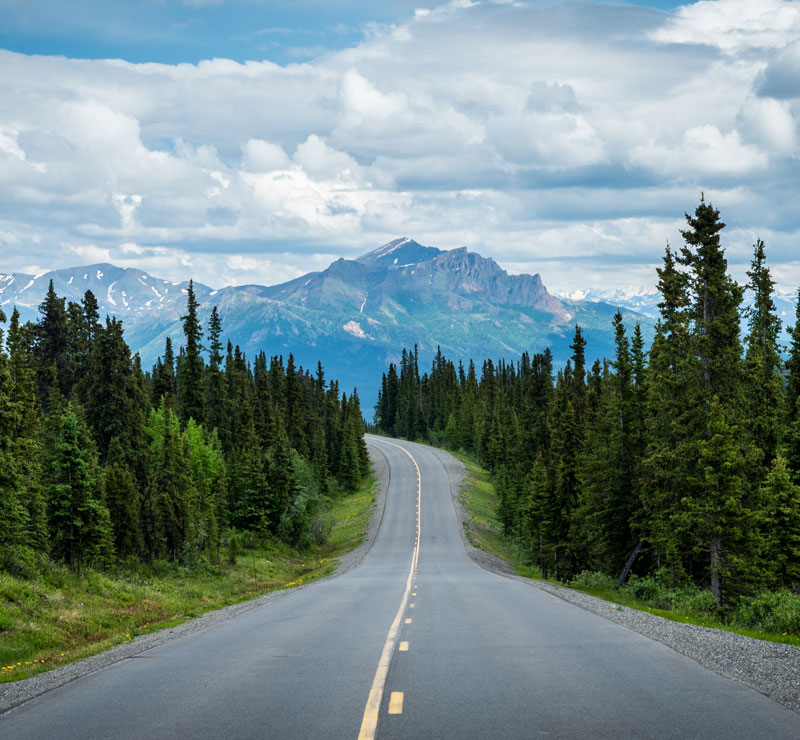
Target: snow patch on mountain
{"x":354,"y":328}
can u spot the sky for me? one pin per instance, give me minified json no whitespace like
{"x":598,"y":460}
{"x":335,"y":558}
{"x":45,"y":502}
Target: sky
{"x":251,"y":141}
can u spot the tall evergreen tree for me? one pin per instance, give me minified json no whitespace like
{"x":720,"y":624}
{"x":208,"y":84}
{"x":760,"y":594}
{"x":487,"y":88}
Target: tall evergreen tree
{"x":191,"y":367}
{"x":214,"y":408}
{"x":123,"y":502}
{"x":79,"y":521}
{"x":763,"y":362}
{"x":51,"y":346}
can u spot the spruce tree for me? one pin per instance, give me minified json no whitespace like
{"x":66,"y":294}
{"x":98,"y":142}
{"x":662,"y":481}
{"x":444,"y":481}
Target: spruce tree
{"x":793,"y":363}
{"x":169,"y":518}
{"x":25,"y":436}
{"x":190,"y":369}
{"x":123,"y":502}
{"x":13,"y":514}
{"x":163,"y":383}
{"x":114,"y":401}
{"x":718,"y":405}
{"x":671,"y":427}
{"x":783,"y":498}
{"x":79,"y":522}
{"x":214,"y":408}
{"x":51,"y":346}
{"x":763,"y":362}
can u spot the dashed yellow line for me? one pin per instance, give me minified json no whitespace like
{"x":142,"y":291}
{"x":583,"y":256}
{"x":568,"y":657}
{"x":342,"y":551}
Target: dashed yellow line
{"x":408,"y":621}
{"x":396,"y":702}
{"x":369,"y":723}
{"x":403,"y":647}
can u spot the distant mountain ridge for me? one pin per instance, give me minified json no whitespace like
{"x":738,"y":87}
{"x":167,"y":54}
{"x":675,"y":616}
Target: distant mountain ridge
{"x":355,"y":316}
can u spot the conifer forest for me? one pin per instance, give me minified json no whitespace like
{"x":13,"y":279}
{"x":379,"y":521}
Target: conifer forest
{"x":104,"y":464}
{"x":679,"y":463}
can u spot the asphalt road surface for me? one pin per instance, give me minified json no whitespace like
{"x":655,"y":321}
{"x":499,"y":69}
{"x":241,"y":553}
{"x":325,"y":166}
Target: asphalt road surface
{"x":415,"y":642}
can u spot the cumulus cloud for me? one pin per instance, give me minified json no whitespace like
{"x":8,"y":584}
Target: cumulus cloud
{"x":519,"y":129}
{"x":263,"y":156}
{"x":703,"y":150}
{"x":781,"y":77}
{"x":733,"y":25}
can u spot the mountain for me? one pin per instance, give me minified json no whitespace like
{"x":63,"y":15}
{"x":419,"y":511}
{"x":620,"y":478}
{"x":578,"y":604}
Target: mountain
{"x":399,"y":253}
{"x":355,"y":317}
{"x":148,"y":306}
{"x":638,"y":300}
{"x":646,"y":303}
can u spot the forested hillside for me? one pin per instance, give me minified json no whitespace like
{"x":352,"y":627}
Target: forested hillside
{"x":687,"y":454}
{"x":102,"y":463}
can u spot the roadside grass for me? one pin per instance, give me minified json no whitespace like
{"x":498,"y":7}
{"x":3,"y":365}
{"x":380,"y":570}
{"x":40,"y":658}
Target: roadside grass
{"x":60,"y":616}
{"x":484,"y":531}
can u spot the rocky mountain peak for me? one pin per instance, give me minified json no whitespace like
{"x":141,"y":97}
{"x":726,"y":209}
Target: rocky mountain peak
{"x":399,"y":253}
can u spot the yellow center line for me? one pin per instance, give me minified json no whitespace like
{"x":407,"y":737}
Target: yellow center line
{"x":369,"y":724}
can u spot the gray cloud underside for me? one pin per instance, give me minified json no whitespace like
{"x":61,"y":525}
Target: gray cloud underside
{"x":564,"y":137}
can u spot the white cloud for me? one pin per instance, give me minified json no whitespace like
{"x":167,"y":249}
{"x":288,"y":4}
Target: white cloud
{"x":9,"y":144}
{"x":733,"y":25}
{"x":88,"y":254}
{"x":704,"y":150}
{"x":263,"y":156}
{"x":769,"y":123}
{"x":519,"y":129}
{"x":323,"y":162}
{"x":126,"y":205}
{"x":239,"y":262}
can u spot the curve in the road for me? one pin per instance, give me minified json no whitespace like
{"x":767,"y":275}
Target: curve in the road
{"x":483,"y":657}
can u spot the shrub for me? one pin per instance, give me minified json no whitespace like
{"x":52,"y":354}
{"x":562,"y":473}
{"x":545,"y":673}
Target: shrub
{"x":592,"y":579}
{"x":774,"y":611}
{"x":19,"y":561}
{"x":651,"y":591}
{"x":696,"y":602}
{"x":234,"y":547}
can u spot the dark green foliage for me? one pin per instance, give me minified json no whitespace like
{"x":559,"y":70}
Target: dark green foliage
{"x":112,"y":398}
{"x":764,"y":406}
{"x":101,"y":464}
{"x":123,"y":502}
{"x":688,"y":449}
{"x":50,"y":349}
{"x":79,"y":521}
{"x":782,"y":503}
{"x":163,"y":378}
{"x":190,"y":364}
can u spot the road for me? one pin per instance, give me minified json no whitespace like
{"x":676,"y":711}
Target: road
{"x":415,"y":642}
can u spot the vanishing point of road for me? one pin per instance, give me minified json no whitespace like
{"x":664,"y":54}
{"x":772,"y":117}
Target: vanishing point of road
{"x":417,"y":641}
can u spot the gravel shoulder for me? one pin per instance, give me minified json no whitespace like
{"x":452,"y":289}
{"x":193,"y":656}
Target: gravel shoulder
{"x":772,"y":669}
{"x":14,"y":693}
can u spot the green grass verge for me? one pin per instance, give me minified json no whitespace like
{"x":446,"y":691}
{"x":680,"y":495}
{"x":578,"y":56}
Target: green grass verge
{"x":60,"y":616}
{"x":484,"y":531}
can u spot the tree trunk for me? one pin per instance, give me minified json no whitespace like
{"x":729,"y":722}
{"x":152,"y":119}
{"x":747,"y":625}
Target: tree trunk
{"x":716,"y":557}
{"x":542,"y":558}
{"x":627,"y":569}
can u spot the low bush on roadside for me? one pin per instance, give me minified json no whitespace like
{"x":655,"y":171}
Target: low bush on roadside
{"x":592,"y":579}
{"x":775,"y":611}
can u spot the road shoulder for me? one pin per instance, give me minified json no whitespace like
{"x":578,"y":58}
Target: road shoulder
{"x":16,"y":693}
{"x":772,"y":669}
